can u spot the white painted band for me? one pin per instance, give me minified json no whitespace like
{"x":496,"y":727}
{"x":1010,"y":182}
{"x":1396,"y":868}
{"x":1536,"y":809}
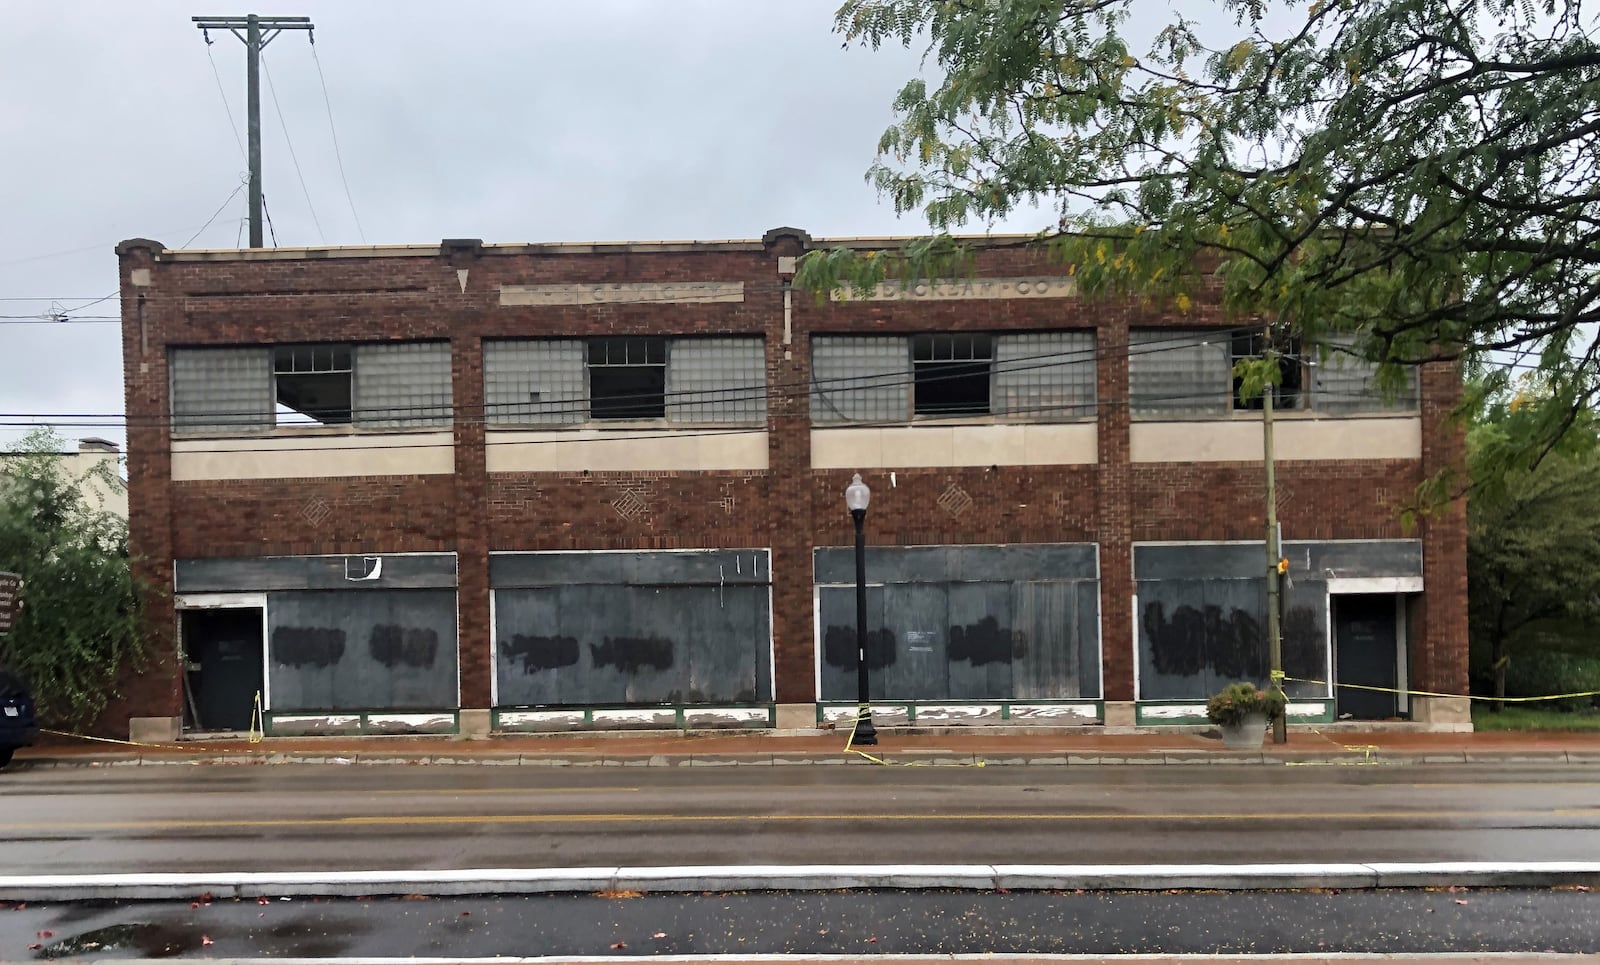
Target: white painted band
{"x":1241,"y":877}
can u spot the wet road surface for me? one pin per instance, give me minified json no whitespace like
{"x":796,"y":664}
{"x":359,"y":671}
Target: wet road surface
{"x":325,"y":817}
{"x":865,"y":923}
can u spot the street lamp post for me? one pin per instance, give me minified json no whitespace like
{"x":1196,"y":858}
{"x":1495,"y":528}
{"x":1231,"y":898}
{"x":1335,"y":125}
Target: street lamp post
{"x":856,"y":496}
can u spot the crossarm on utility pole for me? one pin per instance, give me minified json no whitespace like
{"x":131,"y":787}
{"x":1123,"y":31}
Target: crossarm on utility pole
{"x":257,"y":33}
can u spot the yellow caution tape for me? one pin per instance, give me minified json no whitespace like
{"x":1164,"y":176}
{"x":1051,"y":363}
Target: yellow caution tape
{"x":849,"y":747}
{"x":1430,"y":693}
{"x":256,"y":736}
{"x":102,"y":740}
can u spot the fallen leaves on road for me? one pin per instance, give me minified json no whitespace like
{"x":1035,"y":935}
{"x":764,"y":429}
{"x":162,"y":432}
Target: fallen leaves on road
{"x":1461,"y":901}
{"x":263,"y":900}
{"x":206,"y":940}
{"x":413,"y":897}
{"x":623,"y":893}
{"x":617,"y":945}
{"x":46,"y":934}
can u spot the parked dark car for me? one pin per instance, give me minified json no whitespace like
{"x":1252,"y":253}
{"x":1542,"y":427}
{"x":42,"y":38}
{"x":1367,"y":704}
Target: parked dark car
{"x":18,"y":726}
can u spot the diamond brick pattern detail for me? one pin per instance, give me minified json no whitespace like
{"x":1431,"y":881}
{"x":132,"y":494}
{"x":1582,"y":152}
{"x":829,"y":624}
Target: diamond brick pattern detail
{"x":955,"y":501}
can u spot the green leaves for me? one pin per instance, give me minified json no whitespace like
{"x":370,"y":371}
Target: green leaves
{"x":1421,"y":174}
{"x":79,"y":627}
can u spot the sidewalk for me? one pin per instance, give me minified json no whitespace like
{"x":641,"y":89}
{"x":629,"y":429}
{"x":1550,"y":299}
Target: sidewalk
{"x":977,"y":747}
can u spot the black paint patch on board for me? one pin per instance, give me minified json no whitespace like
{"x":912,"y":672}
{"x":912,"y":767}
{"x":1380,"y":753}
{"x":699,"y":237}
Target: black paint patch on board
{"x":1232,"y":643}
{"x":541,"y":653}
{"x":983,"y":642}
{"x":391,"y":644}
{"x":839,"y":648}
{"x":632,"y":654}
{"x":317,"y":647}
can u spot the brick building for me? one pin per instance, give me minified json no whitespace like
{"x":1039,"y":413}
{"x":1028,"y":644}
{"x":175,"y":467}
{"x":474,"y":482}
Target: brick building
{"x":530,"y":487}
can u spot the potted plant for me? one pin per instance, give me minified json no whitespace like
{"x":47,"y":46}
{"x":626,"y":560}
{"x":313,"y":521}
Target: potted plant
{"x":1242,"y":711}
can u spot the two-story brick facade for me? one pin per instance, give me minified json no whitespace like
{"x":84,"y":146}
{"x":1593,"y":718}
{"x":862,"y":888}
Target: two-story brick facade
{"x":549,"y":486}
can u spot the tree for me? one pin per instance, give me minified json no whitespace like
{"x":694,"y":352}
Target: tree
{"x":78,"y":630}
{"x":1533,"y":536}
{"x":1422,"y":174}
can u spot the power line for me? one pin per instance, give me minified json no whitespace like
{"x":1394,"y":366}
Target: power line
{"x":337,"y":155}
{"x":224,"y":94}
{"x":268,"y":213}
{"x":220,"y":208}
{"x":625,"y":434}
{"x":273,"y":90}
{"x":783,"y":391}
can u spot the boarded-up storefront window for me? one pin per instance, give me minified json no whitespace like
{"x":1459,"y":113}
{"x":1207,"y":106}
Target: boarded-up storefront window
{"x":362,"y":650}
{"x":963,"y":623}
{"x":576,"y":629}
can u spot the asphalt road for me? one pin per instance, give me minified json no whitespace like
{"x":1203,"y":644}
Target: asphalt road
{"x":328,"y":817}
{"x":864,"y":924}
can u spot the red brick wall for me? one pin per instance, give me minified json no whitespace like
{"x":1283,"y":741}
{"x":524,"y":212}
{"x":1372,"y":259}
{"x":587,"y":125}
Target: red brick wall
{"x":789,"y":507}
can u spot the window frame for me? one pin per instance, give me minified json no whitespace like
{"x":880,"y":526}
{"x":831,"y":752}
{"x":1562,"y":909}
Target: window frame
{"x":974,"y":365}
{"x":632,"y":409}
{"x":334,"y":350}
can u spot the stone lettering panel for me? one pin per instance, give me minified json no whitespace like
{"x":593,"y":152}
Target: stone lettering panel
{"x":965,"y":288}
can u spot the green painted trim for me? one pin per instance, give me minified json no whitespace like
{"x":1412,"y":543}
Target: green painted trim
{"x":1142,"y":719}
{"x":910,"y":707}
{"x":363,"y":720}
{"x":680,"y":712}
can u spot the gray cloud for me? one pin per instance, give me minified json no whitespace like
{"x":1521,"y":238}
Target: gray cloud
{"x":610,"y":119}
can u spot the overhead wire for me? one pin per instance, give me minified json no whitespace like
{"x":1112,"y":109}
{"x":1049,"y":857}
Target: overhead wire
{"x":272,"y":88}
{"x":220,"y":208}
{"x":224,"y":94}
{"x":431,"y":416}
{"x":637,"y":434}
{"x":780,"y":391}
{"x":332,"y":130}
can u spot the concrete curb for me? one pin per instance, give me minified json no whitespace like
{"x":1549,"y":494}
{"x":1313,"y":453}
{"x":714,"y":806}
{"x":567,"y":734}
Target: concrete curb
{"x":929,"y":758}
{"x":982,"y":877}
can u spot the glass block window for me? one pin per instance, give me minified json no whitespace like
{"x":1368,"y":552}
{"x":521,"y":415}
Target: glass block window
{"x":220,"y":389}
{"x":312,"y":384}
{"x":717,"y":380}
{"x":1044,"y":375}
{"x":534,"y":381}
{"x":1342,"y":381}
{"x":627,"y":378}
{"x":403,"y":384}
{"x":856,"y":379}
{"x":1175,"y":373}
{"x":951,"y":374}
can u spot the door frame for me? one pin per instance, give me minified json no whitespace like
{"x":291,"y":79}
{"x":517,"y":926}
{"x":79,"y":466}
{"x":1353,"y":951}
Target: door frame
{"x":1402,"y":588}
{"x":227,"y":601}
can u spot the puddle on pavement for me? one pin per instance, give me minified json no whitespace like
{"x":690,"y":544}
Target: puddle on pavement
{"x":146,"y":938}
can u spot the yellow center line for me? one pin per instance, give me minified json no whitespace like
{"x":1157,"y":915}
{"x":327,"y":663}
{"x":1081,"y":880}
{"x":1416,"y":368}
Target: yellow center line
{"x":496,"y":790}
{"x":401,"y":820}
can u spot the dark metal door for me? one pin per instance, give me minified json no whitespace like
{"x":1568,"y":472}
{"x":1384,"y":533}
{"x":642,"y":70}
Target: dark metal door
{"x":1366,"y":653}
{"x":224,"y":652}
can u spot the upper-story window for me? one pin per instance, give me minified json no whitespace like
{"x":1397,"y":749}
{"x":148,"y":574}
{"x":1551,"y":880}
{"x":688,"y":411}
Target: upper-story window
{"x":628,"y":378}
{"x":252,"y":388}
{"x":712,"y":381}
{"x":313,"y":382}
{"x":1038,"y":376}
{"x":953,"y":374}
{"x":1188,"y":373}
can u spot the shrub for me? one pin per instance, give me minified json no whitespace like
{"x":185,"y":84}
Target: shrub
{"x":1237,"y":701}
{"x":1539,"y":673}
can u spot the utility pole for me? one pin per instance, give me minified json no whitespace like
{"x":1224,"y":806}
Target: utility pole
{"x":256,"y":32}
{"x":1280,"y":726}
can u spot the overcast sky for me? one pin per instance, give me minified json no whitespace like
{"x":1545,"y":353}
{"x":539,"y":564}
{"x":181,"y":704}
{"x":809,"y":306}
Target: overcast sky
{"x":525,"y":121}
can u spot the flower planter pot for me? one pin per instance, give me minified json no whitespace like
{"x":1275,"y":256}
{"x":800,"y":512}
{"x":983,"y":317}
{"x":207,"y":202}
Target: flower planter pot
{"x":1246,"y":735}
